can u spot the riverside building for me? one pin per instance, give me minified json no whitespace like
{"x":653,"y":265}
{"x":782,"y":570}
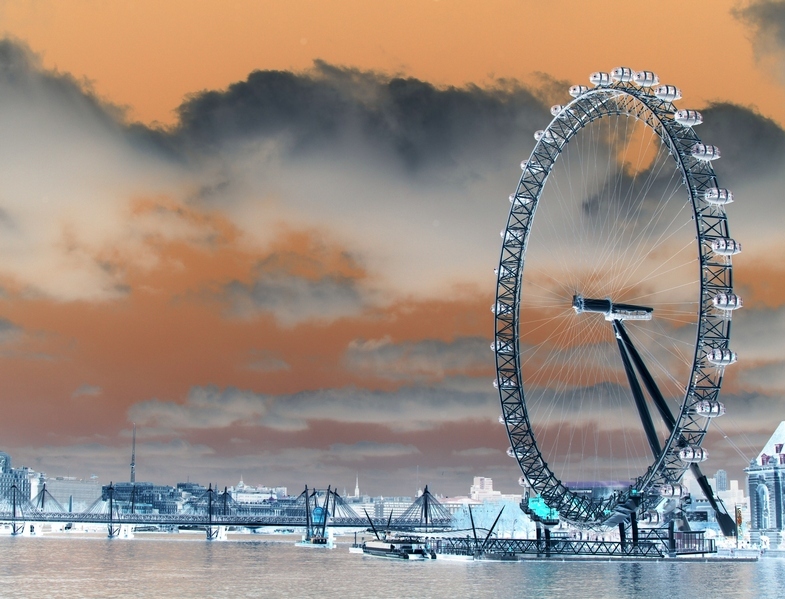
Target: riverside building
{"x":765,"y":488}
{"x":13,"y":476}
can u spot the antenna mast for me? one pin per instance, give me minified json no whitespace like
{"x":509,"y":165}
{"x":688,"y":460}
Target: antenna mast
{"x":133,"y":457}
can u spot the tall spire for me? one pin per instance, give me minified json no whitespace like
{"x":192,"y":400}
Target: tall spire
{"x":133,"y":457}
{"x":357,"y":486}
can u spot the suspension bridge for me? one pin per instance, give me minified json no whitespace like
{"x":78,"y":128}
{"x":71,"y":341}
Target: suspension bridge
{"x":216,"y":511}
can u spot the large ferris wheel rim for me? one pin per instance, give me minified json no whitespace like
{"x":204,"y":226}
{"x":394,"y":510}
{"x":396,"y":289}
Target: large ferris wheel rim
{"x":611,"y":99}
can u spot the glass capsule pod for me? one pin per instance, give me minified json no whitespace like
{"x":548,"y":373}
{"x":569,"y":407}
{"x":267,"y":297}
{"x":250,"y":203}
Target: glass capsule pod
{"x":725,"y":246}
{"x":688,"y":118}
{"x":722,"y":356}
{"x":693,"y":454}
{"x":504,"y":272}
{"x":533,"y":166}
{"x":556,"y":109}
{"x":600,"y":78}
{"x":513,"y":236}
{"x":727,"y":301}
{"x":668,"y":93}
{"x":515,"y":454}
{"x":624,"y":74}
{"x":501,"y":308}
{"x":544,"y":135}
{"x":511,"y":419}
{"x":505,"y":383}
{"x":710,"y":409}
{"x":514,"y":420}
{"x":501,"y":347}
{"x":520,"y":199}
{"x":705,"y":152}
{"x":577,"y":90}
{"x":522,"y":481}
{"x":646,"y":78}
{"x":718,"y":196}
{"x":673,"y":490}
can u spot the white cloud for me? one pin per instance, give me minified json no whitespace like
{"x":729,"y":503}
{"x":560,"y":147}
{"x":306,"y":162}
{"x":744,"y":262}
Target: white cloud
{"x":478,"y":452}
{"x":369,"y":449}
{"x":430,"y":359}
{"x":87,"y":390}
{"x":266,"y":361}
{"x":295,"y":299}
{"x":406,"y":409}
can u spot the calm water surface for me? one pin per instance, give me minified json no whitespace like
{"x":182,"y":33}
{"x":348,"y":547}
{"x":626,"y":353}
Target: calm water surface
{"x":185,"y":565}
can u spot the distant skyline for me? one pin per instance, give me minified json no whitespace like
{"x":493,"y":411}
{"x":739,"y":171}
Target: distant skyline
{"x":266,"y":232}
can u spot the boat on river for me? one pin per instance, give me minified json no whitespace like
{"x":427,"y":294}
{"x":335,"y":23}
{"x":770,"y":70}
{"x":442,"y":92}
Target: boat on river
{"x":316,"y":533}
{"x":317,"y":541}
{"x":410,"y":548}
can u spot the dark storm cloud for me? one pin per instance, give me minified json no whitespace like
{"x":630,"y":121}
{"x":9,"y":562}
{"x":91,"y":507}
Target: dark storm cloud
{"x":415,"y":121}
{"x":751,"y":144}
{"x":21,"y":70}
{"x":767,"y":17}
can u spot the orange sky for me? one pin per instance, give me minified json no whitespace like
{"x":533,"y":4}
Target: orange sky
{"x":147,"y":55}
{"x":84,"y":361}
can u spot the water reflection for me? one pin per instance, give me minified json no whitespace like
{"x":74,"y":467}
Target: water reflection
{"x":186,"y":566}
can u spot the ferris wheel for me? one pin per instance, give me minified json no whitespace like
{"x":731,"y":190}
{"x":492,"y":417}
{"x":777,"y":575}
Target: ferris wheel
{"x":611,"y":347}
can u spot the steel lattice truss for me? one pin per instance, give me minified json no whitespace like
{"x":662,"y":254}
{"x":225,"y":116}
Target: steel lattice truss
{"x":713,"y":330}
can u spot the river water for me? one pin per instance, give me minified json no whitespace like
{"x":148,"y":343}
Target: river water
{"x":187,"y":566}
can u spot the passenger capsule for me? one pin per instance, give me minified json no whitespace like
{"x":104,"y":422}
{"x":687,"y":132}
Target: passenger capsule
{"x":668,"y":93}
{"x":504,"y":272}
{"x":515,"y":454}
{"x":727,"y":301}
{"x":514,"y":420}
{"x":511,"y":419}
{"x":688,"y":118}
{"x":693,"y":455}
{"x":577,"y":90}
{"x":522,"y":481}
{"x":500,"y":347}
{"x":624,"y":74}
{"x":506,"y":383}
{"x":718,"y":196}
{"x":722,"y":356}
{"x":513,"y":236}
{"x":705,"y":152}
{"x":519,"y":199}
{"x":645,"y":78}
{"x":556,"y":109}
{"x":544,"y":135}
{"x":501,"y":308}
{"x":725,"y":246}
{"x":672,"y":490}
{"x":600,"y":78}
{"x":532,"y":166}
{"x":710,"y":409}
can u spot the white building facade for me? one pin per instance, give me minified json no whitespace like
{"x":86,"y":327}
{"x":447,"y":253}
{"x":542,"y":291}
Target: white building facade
{"x":765,"y":489}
